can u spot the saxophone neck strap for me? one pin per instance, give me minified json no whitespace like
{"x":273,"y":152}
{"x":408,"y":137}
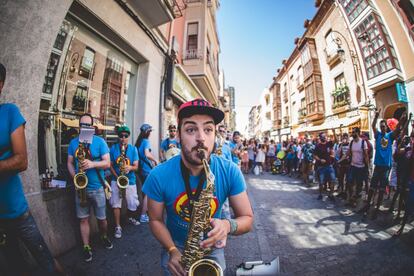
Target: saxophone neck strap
{"x":185,"y":173}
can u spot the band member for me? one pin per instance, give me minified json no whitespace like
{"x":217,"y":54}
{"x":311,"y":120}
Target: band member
{"x":169,"y":143}
{"x":124,"y":162}
{"x":16,"y":222}
{"x":147,"y":161}
{"x":197,"y":122}
{"x":222,"y":145}
{"x":97,"y":159}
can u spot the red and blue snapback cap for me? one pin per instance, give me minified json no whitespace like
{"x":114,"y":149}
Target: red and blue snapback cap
{"x":200,"y":106}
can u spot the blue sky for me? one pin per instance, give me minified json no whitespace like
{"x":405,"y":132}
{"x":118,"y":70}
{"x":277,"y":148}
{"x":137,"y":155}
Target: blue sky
{"x":255,"y":36}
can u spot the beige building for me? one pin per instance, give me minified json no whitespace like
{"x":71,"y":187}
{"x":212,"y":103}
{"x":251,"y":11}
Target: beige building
{"x":326,"y":84}
{"x":195,"y":50}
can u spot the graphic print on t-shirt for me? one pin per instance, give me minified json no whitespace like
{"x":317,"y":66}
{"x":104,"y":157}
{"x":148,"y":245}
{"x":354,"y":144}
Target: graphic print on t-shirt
{"x":384,"y":142}
{"x":182,"y":206}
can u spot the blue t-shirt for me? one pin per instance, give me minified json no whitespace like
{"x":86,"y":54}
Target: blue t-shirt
{"x":165,"y":144}
{"x":234,"y":157}
{"x":383,"y":149}
{"x":165,"y":184}
{"x":96,"y":150}
{"x":291,"y":153}
{"x":12,"y":200}
{"x":144,"y":163}
{"x":131,"y":155}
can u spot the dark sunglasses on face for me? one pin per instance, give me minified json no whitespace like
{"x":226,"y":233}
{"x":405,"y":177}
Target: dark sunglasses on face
{"x":173,"y":130}
{"x":84,"y":125}
{"x":123,"y":135}
{"x":222,"y":131}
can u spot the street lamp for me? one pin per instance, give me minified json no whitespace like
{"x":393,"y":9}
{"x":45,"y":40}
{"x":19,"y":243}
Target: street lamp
{"x":354,"y":57}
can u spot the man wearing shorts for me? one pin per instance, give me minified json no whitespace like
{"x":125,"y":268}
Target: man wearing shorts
{"x":324,"y":156}
{"x":382,"y":161}
{"x":130,"y":159}
{"x":96,"y":161}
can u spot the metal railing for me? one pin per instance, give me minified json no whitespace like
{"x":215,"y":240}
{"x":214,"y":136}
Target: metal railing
{"x":192,"y":54}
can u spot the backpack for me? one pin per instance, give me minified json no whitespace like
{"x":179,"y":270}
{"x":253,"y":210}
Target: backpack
{"x":362,"y":147}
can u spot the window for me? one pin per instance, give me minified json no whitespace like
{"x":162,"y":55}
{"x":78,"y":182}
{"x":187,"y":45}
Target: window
{"x":107,"y":96}
{"x":340,"y":95}
{"x":406,"y":10}
{"x":378,"y":53}
{"x":87,"y":63}
{"x":353,"y":8}
{"x":192,"y":40}
{"x":340,"y":81}
{"x":331,"y":46}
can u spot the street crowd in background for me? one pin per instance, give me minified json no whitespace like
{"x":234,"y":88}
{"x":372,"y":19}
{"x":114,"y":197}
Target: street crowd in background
{"x":351,"y":166}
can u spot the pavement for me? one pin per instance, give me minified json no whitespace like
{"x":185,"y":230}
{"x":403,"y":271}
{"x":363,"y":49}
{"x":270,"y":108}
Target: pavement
{"x":311,"y":237}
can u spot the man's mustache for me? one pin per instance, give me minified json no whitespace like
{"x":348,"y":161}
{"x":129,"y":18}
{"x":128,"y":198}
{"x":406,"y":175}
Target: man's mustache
{"x":198,"y":147}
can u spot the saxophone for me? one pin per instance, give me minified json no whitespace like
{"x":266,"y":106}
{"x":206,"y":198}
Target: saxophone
{"x":192,"y":258}
{"x":80,"y":180}
{"x":122,"y":181}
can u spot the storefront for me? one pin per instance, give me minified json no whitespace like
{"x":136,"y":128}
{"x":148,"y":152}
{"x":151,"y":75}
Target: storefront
{"x":85,"y":74}
{"x":76,"y":58}
{"x":184,"y":90}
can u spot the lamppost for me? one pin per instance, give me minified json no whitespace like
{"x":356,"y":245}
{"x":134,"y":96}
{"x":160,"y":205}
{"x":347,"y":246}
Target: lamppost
{"x":355,"y":61}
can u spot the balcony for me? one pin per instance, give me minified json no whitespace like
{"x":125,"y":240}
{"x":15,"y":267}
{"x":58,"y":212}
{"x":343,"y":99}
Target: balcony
{"x":341,"y":99}
{"x":332,"y":58}
{"x":285,"y":96}
{"x":299,"y":84}
{"x":277,"y":124}
{"x":193,"y":54}
{"x":154,"y":13}
{"x":302,"y":115}
{"x":286,"y":121}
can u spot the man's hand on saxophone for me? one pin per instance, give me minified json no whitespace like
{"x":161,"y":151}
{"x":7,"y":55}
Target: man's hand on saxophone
{"x":174,"y":264}
{"x":217,"y":237}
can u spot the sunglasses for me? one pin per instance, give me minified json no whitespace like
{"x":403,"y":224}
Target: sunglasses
{"x":222,"y":131}
{"x":123,"y":135}
{"x":173,"y":130}
{"x":84,"y":125}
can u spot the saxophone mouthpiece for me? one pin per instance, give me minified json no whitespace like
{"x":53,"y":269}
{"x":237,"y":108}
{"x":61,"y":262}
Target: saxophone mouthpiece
{"x":201,"y":153}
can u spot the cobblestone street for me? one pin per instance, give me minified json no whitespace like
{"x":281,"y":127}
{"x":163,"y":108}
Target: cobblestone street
{"x":311,"y":238}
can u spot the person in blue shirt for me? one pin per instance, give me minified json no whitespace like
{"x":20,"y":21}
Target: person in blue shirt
{"x":382,"y":160}
{"x":130,"y":160}
{"x":222,"y":148}
{"x":166,"y":189}
{"x":16,"y":222}
{"x":147,"y":161}
{"x":169,"y":143}
{"x":235,"y":147}
{"x":97,"y":160}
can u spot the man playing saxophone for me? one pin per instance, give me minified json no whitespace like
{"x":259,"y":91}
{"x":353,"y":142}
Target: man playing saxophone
{"x":95,"y":161}
{"x":127,"y":154}
{"x":176,"y":193}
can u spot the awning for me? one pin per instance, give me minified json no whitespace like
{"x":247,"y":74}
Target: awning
{"x":70,"y":122}
{"x":75,"y":123}
{"x":332,"y":124}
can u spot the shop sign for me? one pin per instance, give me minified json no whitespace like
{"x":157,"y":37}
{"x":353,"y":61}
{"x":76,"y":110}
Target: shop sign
{"x":284,"y":131}
{"x":401,"y":92}
{"x":183,"y":86}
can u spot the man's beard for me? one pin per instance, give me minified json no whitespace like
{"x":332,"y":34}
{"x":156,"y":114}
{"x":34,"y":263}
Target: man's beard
{"x":188,"y":154}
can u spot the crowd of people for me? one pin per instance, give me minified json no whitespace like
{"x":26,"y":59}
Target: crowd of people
{"x":351,"y":166}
